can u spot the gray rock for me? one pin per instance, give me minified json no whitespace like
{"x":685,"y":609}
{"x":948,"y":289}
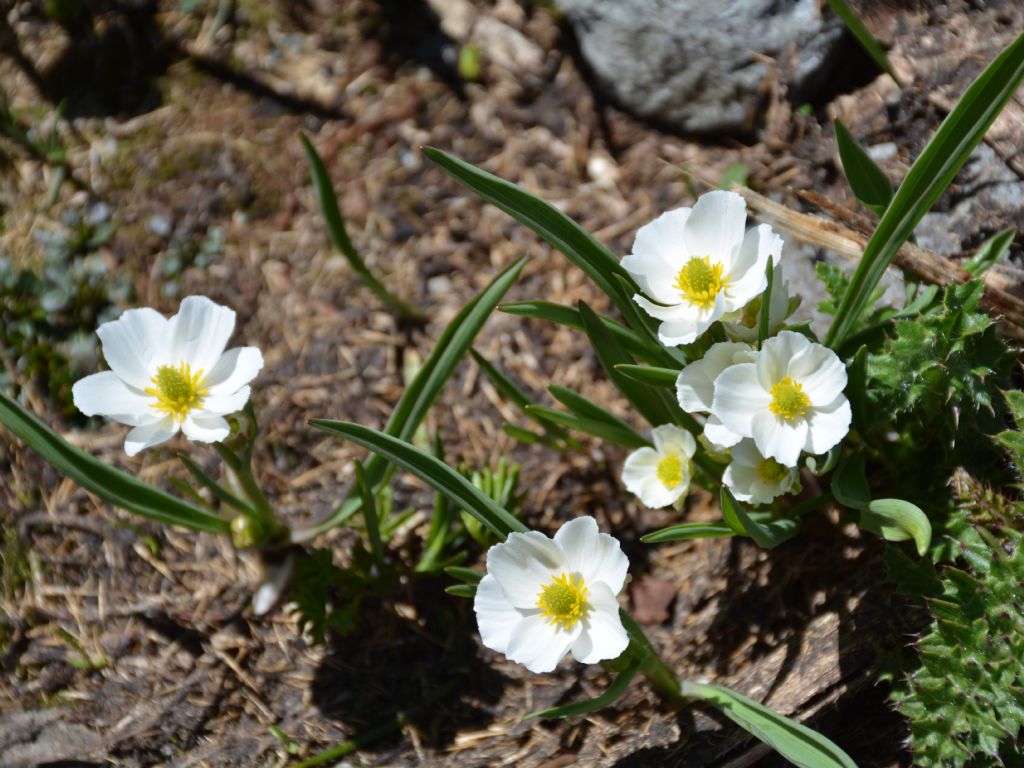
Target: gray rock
{"x":694,"y":64}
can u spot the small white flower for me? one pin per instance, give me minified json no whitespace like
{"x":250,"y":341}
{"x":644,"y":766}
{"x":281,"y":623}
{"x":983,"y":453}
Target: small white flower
{"x":789,"y":400}
{"x":744,"y":326}
{"x":542,"y":598}
{"x":695,"y":387}
{"x":660,"y":476}
{"x":754,"y":479}
{"x":170,"y":374}
{"x":697,"y":264}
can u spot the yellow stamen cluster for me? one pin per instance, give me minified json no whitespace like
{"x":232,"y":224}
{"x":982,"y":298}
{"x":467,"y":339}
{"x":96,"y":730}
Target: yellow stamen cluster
{"x":700,"y":281}
{"x":177,"y":390}
{"x":564,"y":601}
{"x":770,"y":471}
{"x":789,"y":400}
{"x":670,"y":471}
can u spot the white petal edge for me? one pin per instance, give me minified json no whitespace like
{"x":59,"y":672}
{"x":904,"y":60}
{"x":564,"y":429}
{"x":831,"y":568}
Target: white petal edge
{"x":539,"y":646}
{"x":828,"y":425}
{"x":133,"y":345}
{"x":596,"y":556}
{"x":603,"y":636}
{"x":199,"y":332}
{"x":523,"y":564}
{"x":148,"y":435}
{"x":495,"y":615}
{"x":715,"y":226}
{"x":205,"y":429}
{"x":778,"y":439}
{"x":739,"y":397}
{"x":105,"y":394}
{"x":236,"y":368}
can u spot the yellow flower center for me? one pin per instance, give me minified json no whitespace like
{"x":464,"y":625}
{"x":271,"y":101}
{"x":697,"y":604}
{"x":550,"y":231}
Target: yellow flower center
{"x":771,"y":471}
{"x":789,"y":400}
{"x":670,"y":471}
{"x":700,"y":281}
{"x":177,"y":390}
{"x":564,"y":601}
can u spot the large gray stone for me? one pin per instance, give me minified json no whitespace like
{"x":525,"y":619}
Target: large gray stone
{"x":695,"y":64}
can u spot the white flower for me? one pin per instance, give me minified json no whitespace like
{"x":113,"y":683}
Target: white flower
{"x":757,"y":480}
{"x":661,"y":475}
{"x":170,"y":374}
{"x":542,"y":598}
{"x":697,"y":264}
{"x":744,"y":325}
{"x":789,"y":400}
{"x":695,"y":387}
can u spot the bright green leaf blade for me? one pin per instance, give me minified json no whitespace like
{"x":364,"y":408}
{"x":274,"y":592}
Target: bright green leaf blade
{"x":468,"y":575}
{"x":112,"y":485}
{"x":611,"y":693}
{"x":897,"y":520}
{"x":764,"y":316}
{"x":930,"y":175}
{"x":461,"y":590}
{"x":370,"y":516}
{"x":426,"y":387}
{"x":850,"y":484}
{"x":768,"y":535}
{"x":430,"y":470}
{"x":869,"y":183}
{"x":685,"y":531}
{"x":864,"y":37}
{"x":221,"y":493}
{"x":989,"y":252}
{"x":588,"y":409}
{"x":649,"y":374}
{"x":799,"y":744}
{"x":511,"y":392}
{"x":570,"y":318}
{"x":548,"y":222}
{"x":625,"y":437}
{"x":339,"y":234}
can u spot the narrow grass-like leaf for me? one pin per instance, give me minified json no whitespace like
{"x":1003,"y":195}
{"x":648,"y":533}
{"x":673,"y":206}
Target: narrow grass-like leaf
{"x":430,"y":470}
{"x":570,"y":318}
{"x":651,"y":375}
{"x":647,"y":327}
{"x":764,"y":316}
{"x":868,"y":182}
{"x":767,"y":535}
{"x":587,"y":409}
{"x":864,"y":37}
{"x":626,"y":437}
{"x":898,"y":520}
{"x":468,"y":575}
{"x":515,"y":395}
{"x":425,"y":388}
{"x":928,"y":177}
{"x":611,"y":693}
{"x":684,"y":531}
{"x":850,"y":484}
{"x":796,"y":742}
{"x":370,"y":516}
{"x":461,"y":590}
{"x":599,"y":263}
{"x":221,"y":493}
{"x":989,"y":252}
{"x":339,"y":234}
{"x":112,"y":485}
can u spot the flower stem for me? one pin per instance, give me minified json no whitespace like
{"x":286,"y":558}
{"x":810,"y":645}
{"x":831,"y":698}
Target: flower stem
{"x":651,"y":664}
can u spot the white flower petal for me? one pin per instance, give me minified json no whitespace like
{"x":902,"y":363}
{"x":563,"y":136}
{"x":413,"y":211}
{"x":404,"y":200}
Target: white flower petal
{"x":655,"y":277}
{"x":747,"y":279}
{"x":776,"y":355}
{"x":595,"y":556}
{"x":133,"y":345}
{"x":665,"y":238}
{"x":523,"y":564}
{"x":199,"y":332}
{"x":205,"y":429}
{"x":778,"y":439}
{"x":715,"y":226}
{"x":739,"y":397}
{"x":495,"y":615}
{"x":719,"y":434}
{"x":148,"y":435}
{"x":828,"y":425}
{"x":275,"y":579}
{"x":821,"y":374}
{"x":105,"y":394}
{"x":221,"y":405}
{"x":539,"y":646}
{"x":603,"y":636}
{"x":236,"y":368}
{"x":694,"y":389}
{"x":668,"y":438}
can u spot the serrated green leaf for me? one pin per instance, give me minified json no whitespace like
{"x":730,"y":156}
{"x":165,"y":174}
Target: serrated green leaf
{"x":796,"y":742}
{"x":686,"y":531}
{"x":897,"y":520}
{"x":112,"y":485}
{"x":869,"y":183}
{"x":929,"y":176}
{"x":611,"y":693}
{"x":850,"y":484}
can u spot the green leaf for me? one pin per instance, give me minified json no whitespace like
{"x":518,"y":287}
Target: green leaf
{"x":768,"y":535}
{"x":468,"y":575}
{"x":611,"y":693}
{"x":649,"y":374}
{"x":864,"y":37}
{"x":219,"y":491}
{"x":737,"y":173}
{"x":340,"y":238}
{"x":764,"y":319}
{"x":869,"y":183}
{"x":112,"y":485}
{"x":929,"y":176}
{"x":588,"y":409}
{"x":626,"y":437}
{"x":515,"y":395}
{"x":989,"y":252}
{"x":795,"y":742}
{"x":461,"y":590}
{"x":897,"y":520}
{"x":850,"y":485}
{"x":685,"y":531}
{"x":425,"y":388}
{"x":370,"y":516}
{"x":430,"y":470}
{"x":599,"y":263}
